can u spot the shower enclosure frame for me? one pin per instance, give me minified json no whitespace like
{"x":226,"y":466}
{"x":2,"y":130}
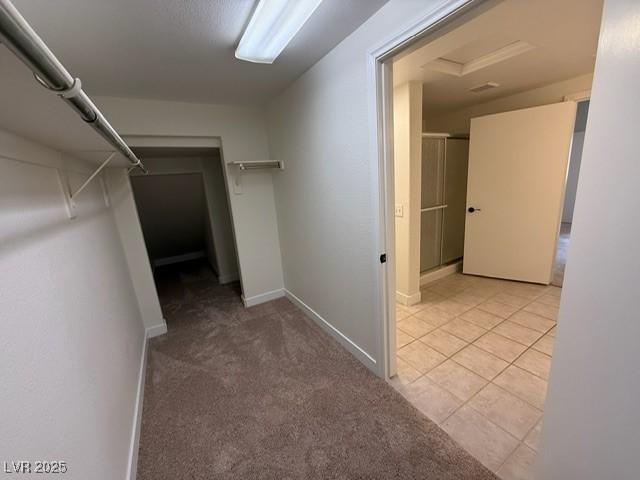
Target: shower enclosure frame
{"x":443,"y":205}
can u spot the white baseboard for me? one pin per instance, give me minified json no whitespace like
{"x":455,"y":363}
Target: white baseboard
{"x":159,"y":262}
{"x":345,"y":341}
{"x":408,"y":300}
{"x":157,"y":330}
{"x":228,"y":278}
{"x":430,"y":277}
{"x":137,"y":415}
{"x":263,"y":297}
{"x":134,"y":445}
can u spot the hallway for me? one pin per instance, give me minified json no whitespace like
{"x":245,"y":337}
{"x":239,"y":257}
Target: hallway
{"x":264,"y":393}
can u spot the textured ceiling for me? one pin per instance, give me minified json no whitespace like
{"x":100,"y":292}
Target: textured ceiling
{"x":181,"y":49}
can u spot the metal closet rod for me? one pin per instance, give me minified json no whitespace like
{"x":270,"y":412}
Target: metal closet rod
{"x":25,"y":43}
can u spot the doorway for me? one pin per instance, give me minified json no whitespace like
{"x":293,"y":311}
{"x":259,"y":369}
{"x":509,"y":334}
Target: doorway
{"x":184,"y":213}
{"x":570,"y":193}
{"x":473,"y":335}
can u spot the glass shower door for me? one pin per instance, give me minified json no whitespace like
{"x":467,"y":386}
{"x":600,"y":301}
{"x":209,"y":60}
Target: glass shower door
{"x":445,"y":162}
{"x":432,"y":203}
{"x":454,"y":216}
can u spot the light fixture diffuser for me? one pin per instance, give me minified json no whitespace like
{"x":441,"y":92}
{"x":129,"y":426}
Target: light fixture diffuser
{"x":272,"y":26}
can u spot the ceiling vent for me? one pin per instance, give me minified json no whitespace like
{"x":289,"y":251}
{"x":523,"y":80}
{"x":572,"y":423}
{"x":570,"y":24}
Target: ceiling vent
{"x":483,"y":87}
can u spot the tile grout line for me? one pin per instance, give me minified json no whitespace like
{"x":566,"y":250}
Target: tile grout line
{"x":509,"y":364}
{"x":491,"y":330}
{"x":520,"y":442}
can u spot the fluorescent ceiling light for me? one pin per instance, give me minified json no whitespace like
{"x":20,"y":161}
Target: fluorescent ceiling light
{"x":272,"y":26}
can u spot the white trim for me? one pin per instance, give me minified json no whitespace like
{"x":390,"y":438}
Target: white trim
{"x":578,"y":96}
{"x":442,"y":65}
{"x":500,"y":55}
{"x":134,"y":444}
{"x":430,"y":277}
{"x":263,"y":297}
{"x":228,"y":278}
{"x":458,"y":69}
{"x":382,"y":180}
{"x":138,"y":173}
{"x":156,"y":330}
{"x":408,"y":300}
{"x":380,"y":88}
{"x":172,"y":141}
{"x":159,"y":262}
{"x":345,"y":341}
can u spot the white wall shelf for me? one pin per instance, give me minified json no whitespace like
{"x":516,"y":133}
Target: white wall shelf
{"x":244,"y":166}
{"x":258,"y":164}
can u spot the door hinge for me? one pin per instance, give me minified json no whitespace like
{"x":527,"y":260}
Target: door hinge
{"x":383,"y":258}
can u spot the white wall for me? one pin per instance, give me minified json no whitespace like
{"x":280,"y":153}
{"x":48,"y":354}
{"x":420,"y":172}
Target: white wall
{"x":125,"y":214}
{"x":407,"y":162}
{"x":458,"y":120}
{"x":243,"y":134}
{"x":219,"y":219}
{"x":71,"y":347}
{"x":321,"y":127}
{"x":173,"y":214}
{"x":592,"y":421}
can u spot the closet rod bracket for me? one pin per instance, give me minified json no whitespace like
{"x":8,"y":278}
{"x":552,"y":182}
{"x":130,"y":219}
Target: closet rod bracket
{"x":70,"y":195}
{"x":73,"y":196}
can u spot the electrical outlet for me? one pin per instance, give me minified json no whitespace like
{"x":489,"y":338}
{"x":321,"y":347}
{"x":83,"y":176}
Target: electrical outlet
{"x":399,"y":210}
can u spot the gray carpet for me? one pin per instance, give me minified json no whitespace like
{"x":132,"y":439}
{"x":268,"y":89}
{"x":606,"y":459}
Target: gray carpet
{"x":263,"y":393}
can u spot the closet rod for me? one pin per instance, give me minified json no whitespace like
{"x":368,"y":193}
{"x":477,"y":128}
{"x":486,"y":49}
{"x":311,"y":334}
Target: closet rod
{"x":25,"y":43}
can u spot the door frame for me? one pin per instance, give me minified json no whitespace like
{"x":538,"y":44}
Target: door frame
{"x":578,"y":97}
{"x":380,"y":92}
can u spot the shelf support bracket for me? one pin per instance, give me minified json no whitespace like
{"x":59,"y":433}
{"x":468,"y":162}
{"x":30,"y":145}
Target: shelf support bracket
{"x":70,"y":196}
{"x":63,"y":180}
{"x":93,"y":175}
{"x":237,"y":183}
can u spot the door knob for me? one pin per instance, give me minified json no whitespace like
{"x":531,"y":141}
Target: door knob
{"x":473,"y":209}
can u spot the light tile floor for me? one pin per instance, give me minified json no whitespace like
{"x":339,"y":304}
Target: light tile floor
{"x":474,"y":356}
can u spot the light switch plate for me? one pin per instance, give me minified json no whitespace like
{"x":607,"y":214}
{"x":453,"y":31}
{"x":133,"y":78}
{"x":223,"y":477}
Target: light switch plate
{"x":399,"y":210}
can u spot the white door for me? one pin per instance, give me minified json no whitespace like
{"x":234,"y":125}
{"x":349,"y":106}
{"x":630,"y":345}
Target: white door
{"x":517,"y":172}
